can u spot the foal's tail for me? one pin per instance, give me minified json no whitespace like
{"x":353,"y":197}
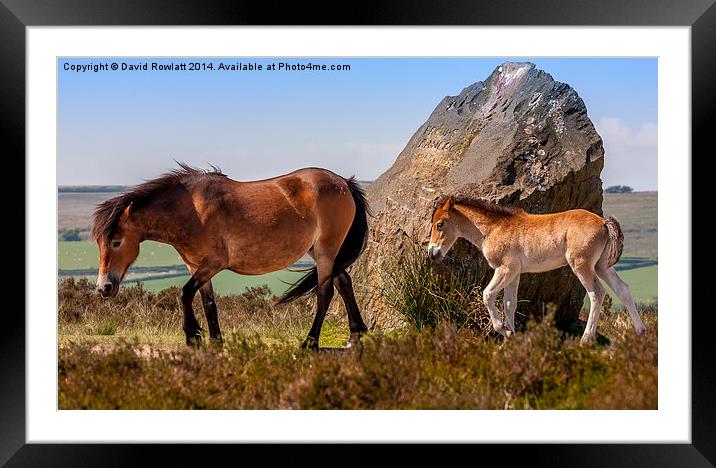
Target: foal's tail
{"x":352,"y":247}
{"x":615,"y":241}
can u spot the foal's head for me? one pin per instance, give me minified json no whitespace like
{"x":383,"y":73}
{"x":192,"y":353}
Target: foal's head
{"x":118,"y":248}
{"x":444,"y":230}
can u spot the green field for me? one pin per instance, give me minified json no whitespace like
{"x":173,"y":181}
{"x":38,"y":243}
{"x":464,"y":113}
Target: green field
{"x":643,"y":283}
{"x":637,"y":213}
{"x":228,"y":282}
{"x":84,"y":255}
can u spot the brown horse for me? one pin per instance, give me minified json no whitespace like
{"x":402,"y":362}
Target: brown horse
{"x":251,"y":228}
{"x":514,"y":242}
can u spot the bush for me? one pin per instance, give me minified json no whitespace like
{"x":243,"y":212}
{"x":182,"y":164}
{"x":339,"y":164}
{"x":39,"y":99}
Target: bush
{"x":618,"y":189}
{"x":427,"y":293}
{"x":444,"y":367}
{"x":70,"y":235}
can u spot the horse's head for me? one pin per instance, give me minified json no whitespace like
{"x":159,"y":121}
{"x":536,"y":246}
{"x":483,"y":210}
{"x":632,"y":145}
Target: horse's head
{"x":117,"y":251}
{"x":444,"y":231}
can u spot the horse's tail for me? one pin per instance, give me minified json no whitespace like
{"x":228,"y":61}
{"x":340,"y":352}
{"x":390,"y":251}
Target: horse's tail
{"x":352,"y":247}
{"x":615,"y":241}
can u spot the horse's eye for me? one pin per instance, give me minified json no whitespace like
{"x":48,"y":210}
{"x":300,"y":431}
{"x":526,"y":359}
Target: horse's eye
{"x":440,"y":225}
{"x":116,"y":243}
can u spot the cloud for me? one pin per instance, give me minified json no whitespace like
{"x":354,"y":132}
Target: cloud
{"x":630,"y":154}
{"x":616,"y":133}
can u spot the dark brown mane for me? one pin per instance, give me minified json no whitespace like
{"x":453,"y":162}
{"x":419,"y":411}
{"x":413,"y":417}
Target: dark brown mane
{"x":106,"y":216}
{"x":478,"y":203}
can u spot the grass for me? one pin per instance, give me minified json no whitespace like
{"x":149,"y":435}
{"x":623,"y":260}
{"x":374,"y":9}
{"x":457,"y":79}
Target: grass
{"x":129,"y":352}
{"x":426,"y":293}
{"x":437,"y":368}
{"x":156,"y":317}
{"x":143,"y":364}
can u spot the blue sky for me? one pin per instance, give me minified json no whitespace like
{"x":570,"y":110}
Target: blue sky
{"x":123,"y":127}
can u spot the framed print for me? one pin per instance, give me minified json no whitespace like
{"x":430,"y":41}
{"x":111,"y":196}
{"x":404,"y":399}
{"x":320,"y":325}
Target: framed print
{"x":420,"y":224}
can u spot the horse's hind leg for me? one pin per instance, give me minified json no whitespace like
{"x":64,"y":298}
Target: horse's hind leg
{"x":324,"y":295}
{"x":212,"y":318}
{"x":355,"y":322}
{"x":324,"y":253}
{"x":621,"y":289}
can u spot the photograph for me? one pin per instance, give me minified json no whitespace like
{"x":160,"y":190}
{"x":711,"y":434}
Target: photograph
{"x":358,"y":233}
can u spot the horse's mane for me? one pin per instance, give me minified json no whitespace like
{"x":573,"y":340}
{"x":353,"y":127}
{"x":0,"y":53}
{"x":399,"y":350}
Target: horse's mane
{"x":478,"y":203}
{"x":107,"y":214}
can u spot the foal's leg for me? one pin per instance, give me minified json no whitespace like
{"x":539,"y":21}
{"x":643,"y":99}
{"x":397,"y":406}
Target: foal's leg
{"x":212,"y":319}
{"x":510,"y":301}
{"x":621,"y":289}
{"x":588,"y":277}
{"x":355,"y":322}
{"x":503,"y":276}
{"x":200,"y":276}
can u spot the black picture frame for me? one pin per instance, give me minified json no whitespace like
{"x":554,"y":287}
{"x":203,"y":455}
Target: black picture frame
{"x":700,"y":15}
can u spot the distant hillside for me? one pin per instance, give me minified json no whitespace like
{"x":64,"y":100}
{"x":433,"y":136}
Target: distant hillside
{"x":637,"y":213}
{"x":91,"y":188}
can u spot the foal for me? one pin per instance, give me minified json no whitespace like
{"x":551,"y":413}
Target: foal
{"x":514,"y":242}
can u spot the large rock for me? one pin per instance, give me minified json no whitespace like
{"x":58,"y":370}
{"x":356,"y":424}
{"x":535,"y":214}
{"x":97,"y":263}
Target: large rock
{"x":519,"y":138}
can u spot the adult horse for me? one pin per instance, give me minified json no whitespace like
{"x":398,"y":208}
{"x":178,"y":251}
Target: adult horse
{"x":514,"y":242}
{"x":216,"y":223}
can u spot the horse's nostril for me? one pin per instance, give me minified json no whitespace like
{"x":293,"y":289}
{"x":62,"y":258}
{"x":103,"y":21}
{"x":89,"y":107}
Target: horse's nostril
{"x":106,"y":287}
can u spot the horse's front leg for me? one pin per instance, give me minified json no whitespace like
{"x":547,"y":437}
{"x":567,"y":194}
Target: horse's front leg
{"x":510,"y":301}
{"x":210,"y":311}
{"x":503,"y":276}
{"x":199,"y":277}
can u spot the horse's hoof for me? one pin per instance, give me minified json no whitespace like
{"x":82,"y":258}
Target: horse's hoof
{"x":194,"y":341}
{"x":216,"y":342}
{"x":310,"y":343}
{"x":641,"y":330}
{"x":354,"y":340}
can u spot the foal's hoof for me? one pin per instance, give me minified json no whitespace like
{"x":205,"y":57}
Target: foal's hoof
{"x":503,"y":330}
{"x":310,"y":343}
{"x":586,"y":341}
{"x":641,"y":330}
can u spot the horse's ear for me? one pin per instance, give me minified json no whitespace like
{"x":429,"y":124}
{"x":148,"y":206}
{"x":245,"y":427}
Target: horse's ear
{"x":127,"y":211}
{"x":449,"y":203}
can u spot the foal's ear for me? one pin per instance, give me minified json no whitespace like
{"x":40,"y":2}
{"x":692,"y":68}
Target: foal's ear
{"x":449,"y":203}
